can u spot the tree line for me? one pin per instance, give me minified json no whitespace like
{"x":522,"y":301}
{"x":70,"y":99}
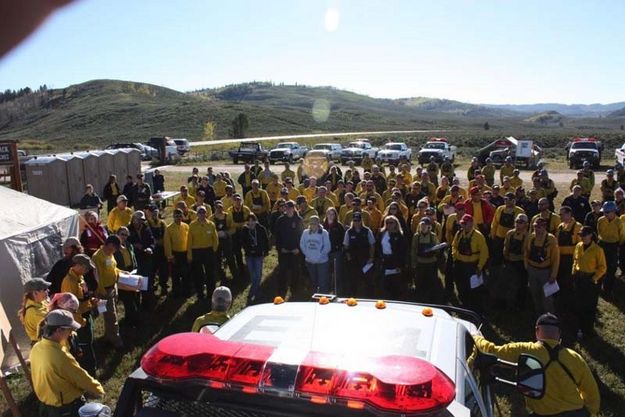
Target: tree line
{"x":10,"y":95}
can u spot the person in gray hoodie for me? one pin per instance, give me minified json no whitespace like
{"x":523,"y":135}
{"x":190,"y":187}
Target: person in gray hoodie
{"x":315,"y":245}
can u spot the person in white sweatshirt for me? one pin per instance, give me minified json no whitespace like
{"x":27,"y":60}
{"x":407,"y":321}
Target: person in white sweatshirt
{"x":315,"y":245}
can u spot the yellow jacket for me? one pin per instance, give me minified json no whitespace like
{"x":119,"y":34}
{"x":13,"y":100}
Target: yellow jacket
{"x":189,"y":200}
{"x":516,"y":182}
{"x":376,"y":218}
{"x":584,"y":183}
{"x":418,"y":238}
{"x":611,"y":231}
{"x":244,"y":211}
{"x":57,"y":378}
{"x":450,"y":224}
{"x":229,"y":228}
{"x":33,"y":315}
{"x":506,"y":171}
{"x":74,"y":283}
{"x":379,"y":201}
{"x":553,"y":221}
{"x":562,"y":393}
{"x":212,"y":317}
{"x":265,"y":204}
{"x":511,"y":236}
{"x":287,"y":173}
{"x":551,"y":256}
{"x":201,"y":235}
{"x":176,"y":239}
{"x":219,"y":186}
{"x":309,"y":193}
{"x":496,"y":228}
{"x":273,"y":190}
{"x":574,"y":228}
{"x":118,"y":218}
{"x":106,"y":267}
{"x":479,"y":248}
{"x":591,"y":260}
{"x":366,"y":218}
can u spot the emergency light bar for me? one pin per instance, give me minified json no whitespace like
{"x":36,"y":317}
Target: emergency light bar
{"x":389,"y":384}
{"x":585,"y":140}
{"x":437,"y":140}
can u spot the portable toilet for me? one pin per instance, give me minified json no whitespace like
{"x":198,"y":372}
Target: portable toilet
{"x":120,"y":163}
{"x":75,"y":177}
{"x":91,"y":171}
{"x":105,"y":166}
{"x":133,"y":159}
{"x":46,"y":178}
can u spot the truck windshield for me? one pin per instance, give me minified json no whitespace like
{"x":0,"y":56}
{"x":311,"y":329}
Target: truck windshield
{"x":584,"y":145}
{"x":249,"y":146}
{"x":433,"y":145}
{"x":393,"y":147}
{"x":285,"y":145}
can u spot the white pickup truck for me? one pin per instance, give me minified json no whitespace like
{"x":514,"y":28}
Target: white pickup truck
{"x":438,"y":148}
{"x":393,"y":152}
{"x":355,"y":151}
{"x":287,"y":152}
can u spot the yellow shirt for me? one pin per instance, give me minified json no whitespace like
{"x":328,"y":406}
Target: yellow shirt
{"x":521,"y":239}
{"x":309,"y":193}
{"x":294,"y":193}
{"x":273,"y":190}
{"x":516,"y":182}
{"x":376,"y":218}
{"x":499,"y":230}
{"x":287,"y":173}
{"x":106,"y":266}
{"x":478,"y":218}
{"x":379,"y":201}
{"x":553,"y":221}
{"x":57,"y":378}
{"x":343,"y":210}
{"x":258,"y":201}
{"x":551,"y":259}
{"x":118,"y":218}
{"x":243,"y":212}
{"x":611,"y":231}
{"x":188,"y":200}
{"x":450,"y":224}
{"x":321,"y":205}
{"x":176,"y":238}
{"x":219,"y":186}
{"x":506,"y":171}
{"x":590,"y":261}
{"x":212,"y":317}
{"x":562,"y":393}
{"x":306,"y":215}
{"x":33,"y":315}
{"x":418,"y":238}
{"x":479,"y":249}
{"x":201,"y":235}
{"x":73,"y":283}
{"x":227,"y":202}
{"x":229,"y":227}
{"x":366,"y":218}
{"x":574,"y":227}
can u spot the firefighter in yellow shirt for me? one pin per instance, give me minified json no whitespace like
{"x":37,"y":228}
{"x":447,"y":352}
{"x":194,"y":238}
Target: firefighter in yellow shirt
{"x":120,"y":215}
{"x":108,"y":275}
{"x":258,"y":201}
{"x":185,"y":196}
{"x":507,"y":169}
{"x":322,"y":203}
{"x":287,"y":173}
{"x":304,"y":210}
{"x":503,"y":221}
{"x":515,"y":179}
{"x":293,"y":192}
{"x":34,"y":306}
{"x":176,"y":246}
{"x":366,"y":163}
{"x":58,"y":380}
{"x":488,"y":171}
{"x":514,"y":247}
{"x":589,"y":266}
{"x":542,"y":259}
{"x":611,"y":233}
{"x":552,"y":220}
{"x":219,"y":186}
{"x":570,"y":388}
{"x":470,"y":254}
{"x":273,"y":189}
{"x":374,"y":214}
{"x":202,"y":245}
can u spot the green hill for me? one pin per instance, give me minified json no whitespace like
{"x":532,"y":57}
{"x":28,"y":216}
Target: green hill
{"x":547,"y":118}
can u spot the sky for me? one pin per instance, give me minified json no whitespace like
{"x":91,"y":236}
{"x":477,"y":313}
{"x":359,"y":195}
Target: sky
{"x":478,"y":51}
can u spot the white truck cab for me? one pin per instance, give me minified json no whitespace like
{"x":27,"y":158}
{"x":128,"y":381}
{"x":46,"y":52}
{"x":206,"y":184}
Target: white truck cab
{"x":332,"y":357}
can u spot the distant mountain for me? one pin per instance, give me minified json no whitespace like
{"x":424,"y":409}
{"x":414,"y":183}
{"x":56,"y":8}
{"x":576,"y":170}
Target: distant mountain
{"x":455,"y":107}
{"x":569,"y":110}
{"x":618,"y":113}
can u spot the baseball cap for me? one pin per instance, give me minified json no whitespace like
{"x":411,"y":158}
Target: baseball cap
{"x":509,"y":195}
{"x":426,"y":221}
{"x":36,"y":284}
{"x":222,"y":298}
{"x":62,"y":318}
{"x":290,"y":203}
{"x":586,"y":230}
{"x":300,"y":199}
{"x":357,"y":216}
{"x":609,"y":206}
{"x":466,"y":219}
{"x":121,"y":198}
{"x":475,"y":190}
{"x":459,"y":206}
{"x":71,"y":242}
{"x":84,"y":260}
{"x":455,"y":187}
{"x":138,"y":215}
{"x":64,"y":300}
{"x":548,"y":319}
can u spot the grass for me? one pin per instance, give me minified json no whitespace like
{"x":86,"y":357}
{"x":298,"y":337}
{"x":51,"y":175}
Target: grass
{"x":605,"y":353}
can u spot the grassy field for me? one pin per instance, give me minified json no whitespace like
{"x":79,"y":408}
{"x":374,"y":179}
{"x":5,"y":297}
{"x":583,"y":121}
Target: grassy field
{"x":605,"y":353}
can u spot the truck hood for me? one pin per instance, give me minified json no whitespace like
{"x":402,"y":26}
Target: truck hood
{"x":431,"y":150}
{"x":584,"y":150}
{"x":282,"y":149}
{"x":388,"y":151}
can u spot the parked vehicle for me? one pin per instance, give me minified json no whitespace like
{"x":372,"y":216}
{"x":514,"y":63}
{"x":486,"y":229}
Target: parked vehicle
{"x":393,"y":152}
{"x":147,"y":152}
{"x":356,"y":150}
{"x":580,"y":150}
{"x":525,"y":153}
{"x":249,"y":152}
{"x":182,"y":145}
{"x":287,"y":152}
{"x":439,"y":148}
{"x":619,"y":153}
{"x":171,"y":149}
{"x":334,"y":150}
{"x":321,"y":359}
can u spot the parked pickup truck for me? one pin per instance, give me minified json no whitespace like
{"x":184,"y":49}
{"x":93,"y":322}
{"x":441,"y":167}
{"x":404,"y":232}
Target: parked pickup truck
{"x":287,"y":152}
{"x":619,"y":153}
{"x":356,"y":150}
{"x":439,"y":148}
{"x":584,"y":149}
{"x":393,"y":152}
{"x":249,"y":152}
{"x":333,"y":150}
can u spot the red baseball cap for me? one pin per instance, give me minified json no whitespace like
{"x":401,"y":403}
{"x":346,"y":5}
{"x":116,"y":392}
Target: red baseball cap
{"x":475,"y":190}
{"x":466,"y":219}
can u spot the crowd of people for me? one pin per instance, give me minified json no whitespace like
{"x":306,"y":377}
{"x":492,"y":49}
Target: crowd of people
{"x":380,"y":233}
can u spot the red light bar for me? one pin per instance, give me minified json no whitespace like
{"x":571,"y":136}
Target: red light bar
{"x":390,"y":384}
{"x":437,"y":140}
{"x":585,"y":140}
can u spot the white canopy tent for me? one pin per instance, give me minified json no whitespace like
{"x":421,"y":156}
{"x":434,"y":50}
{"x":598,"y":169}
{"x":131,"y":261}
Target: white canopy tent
{"x":31,"y":234}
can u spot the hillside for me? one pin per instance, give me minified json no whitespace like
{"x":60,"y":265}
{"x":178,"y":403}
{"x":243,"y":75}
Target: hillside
{"x":569,"y":110}
{"x":620,"y":113}
{"x":99,"y":112}
{"x":548,"y":118}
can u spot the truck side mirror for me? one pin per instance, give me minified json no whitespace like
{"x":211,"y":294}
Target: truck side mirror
{"x":530,"y":377}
